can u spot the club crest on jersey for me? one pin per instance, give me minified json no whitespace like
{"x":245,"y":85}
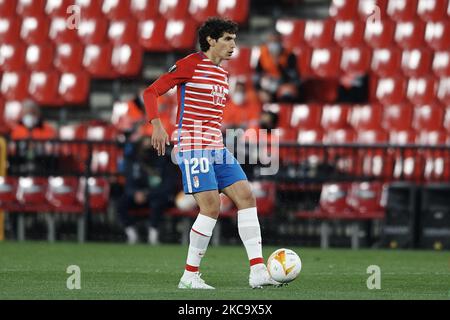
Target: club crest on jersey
{"x":218,"y":93}
{"x":196,"y":182}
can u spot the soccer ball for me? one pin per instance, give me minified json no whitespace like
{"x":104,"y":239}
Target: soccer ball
{"x":284,"y":265}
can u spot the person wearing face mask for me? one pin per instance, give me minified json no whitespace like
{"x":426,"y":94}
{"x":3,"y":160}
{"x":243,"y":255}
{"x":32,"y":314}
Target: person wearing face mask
{"x":31,"y":125}
{"x":276,"y":75}
{"x":243,"y":109}
{"x":149,"y":184}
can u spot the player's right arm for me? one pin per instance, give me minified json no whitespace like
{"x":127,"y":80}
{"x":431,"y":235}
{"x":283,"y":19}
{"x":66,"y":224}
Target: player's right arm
{"x":179,"y":73}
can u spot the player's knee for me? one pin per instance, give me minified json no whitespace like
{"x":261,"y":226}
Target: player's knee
{"x":246,"y":200}
{"x":210,"y":207}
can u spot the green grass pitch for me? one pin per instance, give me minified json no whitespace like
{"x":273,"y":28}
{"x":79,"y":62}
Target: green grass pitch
{"x":34,"y":270}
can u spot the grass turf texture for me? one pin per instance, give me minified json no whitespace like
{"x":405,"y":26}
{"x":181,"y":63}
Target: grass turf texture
{"x":33,"y":270}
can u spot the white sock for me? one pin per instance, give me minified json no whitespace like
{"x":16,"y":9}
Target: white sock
{"x":250,"y":233}
{"x":199,"y":237}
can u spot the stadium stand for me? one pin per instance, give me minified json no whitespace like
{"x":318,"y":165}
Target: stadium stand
{"x":401,"y":45}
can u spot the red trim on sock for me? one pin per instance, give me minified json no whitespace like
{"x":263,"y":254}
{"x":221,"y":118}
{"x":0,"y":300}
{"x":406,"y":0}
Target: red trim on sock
{"x":191,"y":268}
{"x":256,"y":261}
{"x":199,"y":233}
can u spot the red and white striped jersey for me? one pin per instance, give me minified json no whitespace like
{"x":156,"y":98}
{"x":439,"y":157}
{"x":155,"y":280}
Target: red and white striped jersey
{"x":202,"y":93}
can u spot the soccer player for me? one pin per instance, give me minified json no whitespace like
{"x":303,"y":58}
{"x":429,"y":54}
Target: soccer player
{"x":207,"y":166}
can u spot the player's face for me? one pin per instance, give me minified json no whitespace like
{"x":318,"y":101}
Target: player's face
{"x":225,"y":46}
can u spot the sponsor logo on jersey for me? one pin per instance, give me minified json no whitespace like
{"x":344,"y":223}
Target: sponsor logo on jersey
{"x":218,"y":93}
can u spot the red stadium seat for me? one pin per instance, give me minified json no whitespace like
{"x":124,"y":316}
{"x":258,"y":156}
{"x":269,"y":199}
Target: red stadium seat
{"x":367,"y":199}
{"x":8,"y":8}
{"x":343,"y":9}
{"x":441,"y":63}
{"x":127,"y":59}
{"x":123,"y":31}
{"x":31,"y":8}
{"x":145,"y":9}
{"x":12,"y":56}
{"x":340,"y":136}
{"x":14,"y":85}
{"x":375,"y":161}
{"x":284,"y":112}
{"x":97,"y":60}
{"x":402,"y":137}
{"x":181,"y":34}
{"x":416,"y":62}
{"x":319,"y":33}
{"x":152,"y":35}
{"x":236,"y":10}
{"x":428,"y":117}
{"x":69,"y":57}
{"x":410,"y":34}
{"x":303,"y":61}
{"x":173,"y":9}
{"x":432,"y":10}
{"x":93,"y":30}
{"x":98,"y":190}
{"x":437,"y":35}
{"x":356,"y":60}
{"x":9,"y":29}
{"x":335,"y":116}
{"x":379,"y":34}
{"x":201,"y":10}
{"x":35,"y":30}
{"x":74,"y":87}
{"x":43,"y":87}
{"x":366,"y":117}
{"x":40,"y":57}
{"x":332,"y":200}
{"x":12,"y":112}
{"x":31,"y":194}
{"x":240,"y":64}
{"x":117,"y":9}
{"x":8,"y":191}
{"x":447,"y":119}
{"x":402,"y":10}
{"x":325,"y":62}
{"x":265,"y":194}
{"x":306,"y":116}
{"x":90,"y":8}
{"x":421,"y":90}
{"x":292,"y":31}
{"x":349,"y":33}
{"x":309,"y":136}
{"x":390,"y":90}
{"x":443,"y":91}
{"x":372,"y":10}
{"x":386,"y":61}
{"x":59,"y":8}
{"x":60,"y":33}
{"x":398,"y":117}
{"x":62,"y":195}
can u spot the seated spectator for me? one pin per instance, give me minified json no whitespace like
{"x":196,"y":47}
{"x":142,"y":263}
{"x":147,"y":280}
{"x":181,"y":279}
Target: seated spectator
{"x":242,"y":109}
{"x":31,"y":125}
{"x":353,"y":88}
{"x":149,"y":184}
{"x":276,"y":75}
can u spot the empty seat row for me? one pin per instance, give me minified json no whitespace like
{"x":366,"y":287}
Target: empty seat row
{"x":46,"y":88}
{"x":120,"y":9}
{"x":378,"y":34}
{"x":152,"y":34}
{"x":399,"y":10}
{"x":399,"y":117}
{"x":53,"y":194}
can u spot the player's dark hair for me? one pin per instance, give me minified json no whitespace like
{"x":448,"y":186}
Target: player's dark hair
{"x":215,"y":28}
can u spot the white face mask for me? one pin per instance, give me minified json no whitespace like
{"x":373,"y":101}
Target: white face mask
{"x":29,"y":120}
{"x":274,"y":48}
{"x":238,"y":98}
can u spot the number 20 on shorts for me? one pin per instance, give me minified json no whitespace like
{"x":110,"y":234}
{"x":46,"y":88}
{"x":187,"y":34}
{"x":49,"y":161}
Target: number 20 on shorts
{"x":197,"y":165}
